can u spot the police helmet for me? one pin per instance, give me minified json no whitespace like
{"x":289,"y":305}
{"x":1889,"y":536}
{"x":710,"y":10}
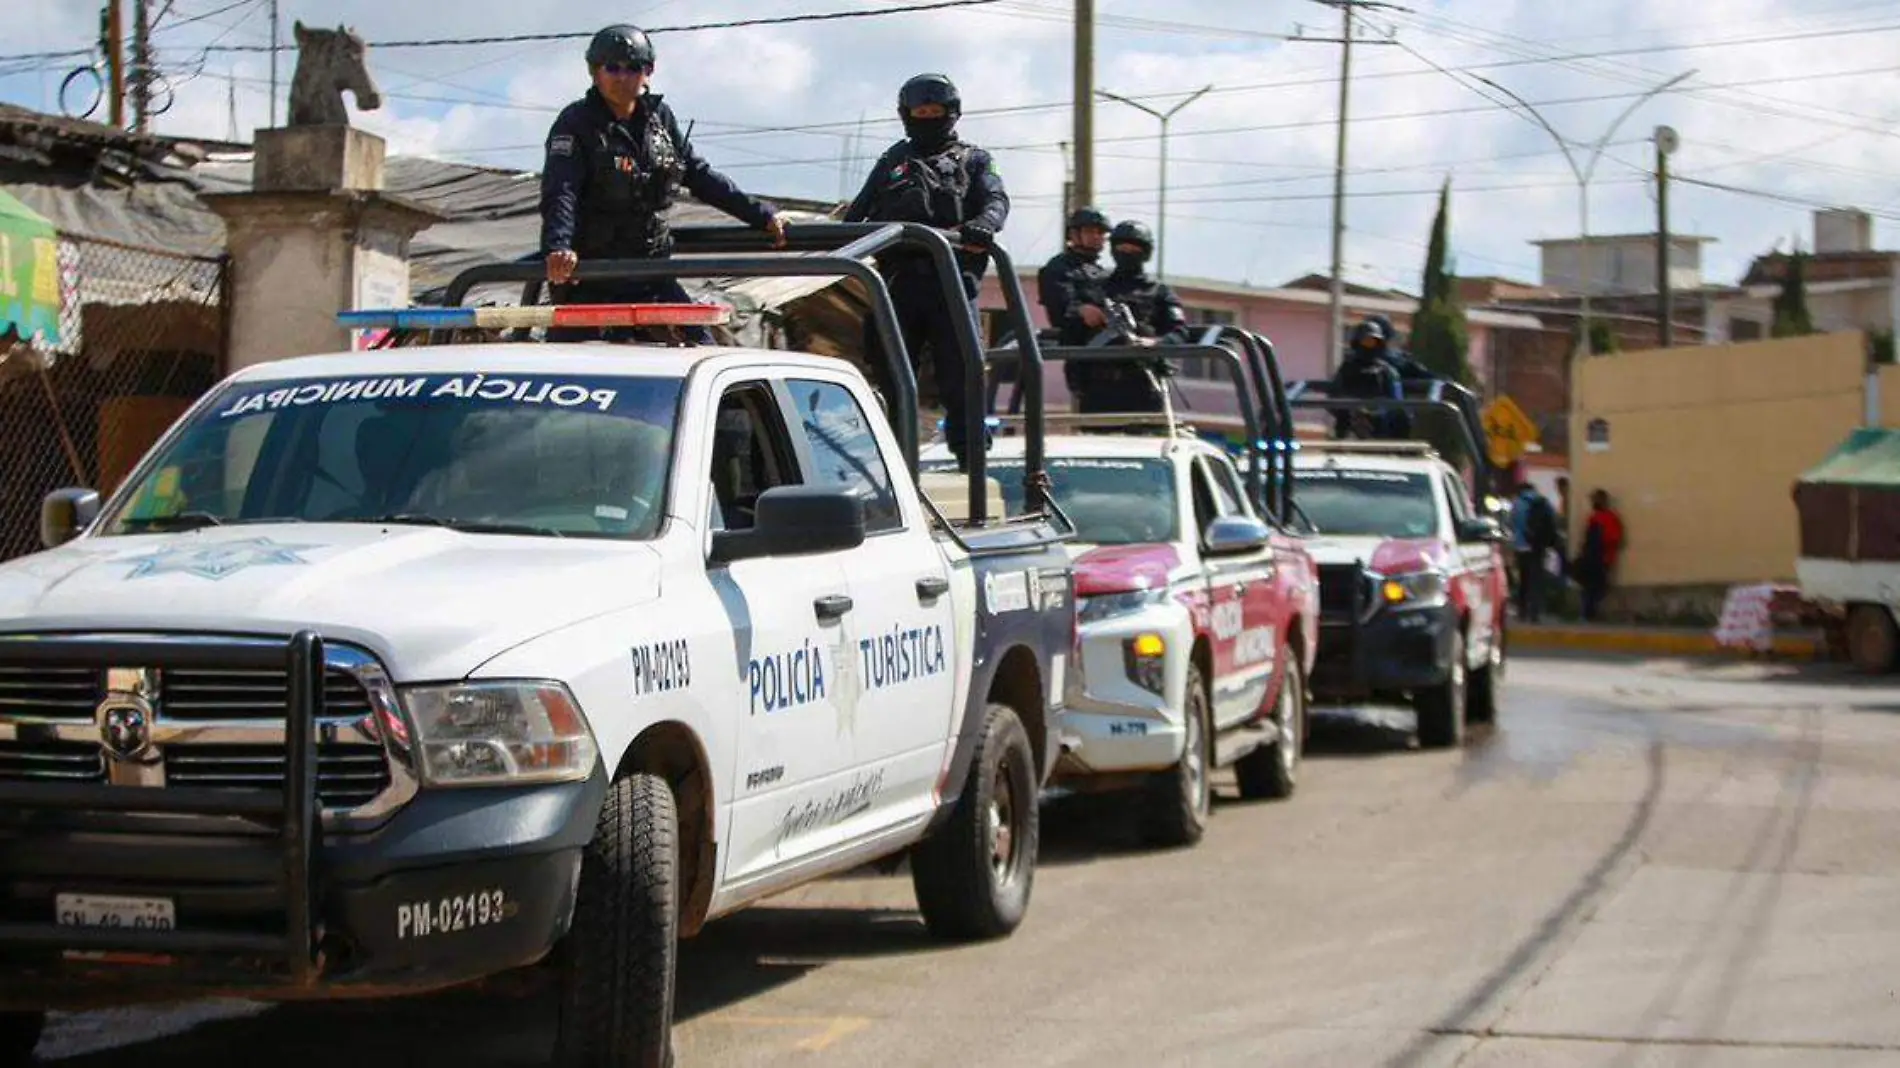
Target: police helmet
{"x":621,"y":44}
{"x":1083,"y":217}
{"x":930,"y":89}
{"x":1132,"y":233}
{"x":1385,"y":324}
{"x":1369,"y":334}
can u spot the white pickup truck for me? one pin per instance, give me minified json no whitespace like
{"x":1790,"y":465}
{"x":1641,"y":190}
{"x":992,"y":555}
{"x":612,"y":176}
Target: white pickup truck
{"x":386,"y":671}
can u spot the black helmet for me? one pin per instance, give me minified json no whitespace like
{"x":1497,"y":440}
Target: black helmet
{"x":621,"y":44}
{"x":930,"y":89}
{"x":1369,"y":334}
{"x":929,"y":134}
{"x":1132,"y":233}
{"x":1085,"y":216}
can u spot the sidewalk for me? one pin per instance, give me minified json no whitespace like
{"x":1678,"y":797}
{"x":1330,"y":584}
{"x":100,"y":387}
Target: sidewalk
{"x":1638,"y":640}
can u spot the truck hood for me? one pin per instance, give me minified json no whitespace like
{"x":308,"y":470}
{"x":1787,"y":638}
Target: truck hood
{"x":432,"y":603}
{"x":1123,"y":568}
{"x":1388,"y":556}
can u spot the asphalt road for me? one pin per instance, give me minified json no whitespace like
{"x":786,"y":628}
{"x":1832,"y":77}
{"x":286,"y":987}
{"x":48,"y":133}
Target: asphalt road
{"x":1642,"y":864}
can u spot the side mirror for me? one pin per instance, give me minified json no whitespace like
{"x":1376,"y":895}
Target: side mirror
{"x":1479,"y":530}
{"x":66,"y":512}
{"x":796,"y":521}
{"x":1232,"y":535}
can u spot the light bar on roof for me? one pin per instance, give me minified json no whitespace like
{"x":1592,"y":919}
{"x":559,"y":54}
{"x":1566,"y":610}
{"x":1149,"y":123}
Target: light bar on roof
{"x":533,"y":315}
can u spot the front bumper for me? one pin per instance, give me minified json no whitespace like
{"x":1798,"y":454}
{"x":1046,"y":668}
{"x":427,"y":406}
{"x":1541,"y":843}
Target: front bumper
{"x":455,"y":886}
{"x":1391,"y":652}
{"x":1113,"y":724}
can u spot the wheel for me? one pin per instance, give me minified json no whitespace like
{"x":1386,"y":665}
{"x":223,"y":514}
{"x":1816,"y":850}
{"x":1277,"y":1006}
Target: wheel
{"x":1873,"y":642}
{"x":617,"y":963}
{"x":974,"y":874}
{"x":19,"y":1034}
{"x":1481,"y":701}
{"x":1272,"y":771}
{"x":1176,"y":809}
{"x":1441,"y":709}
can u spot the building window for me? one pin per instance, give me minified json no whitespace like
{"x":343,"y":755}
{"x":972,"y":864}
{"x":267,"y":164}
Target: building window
{"x":1744,"y":330}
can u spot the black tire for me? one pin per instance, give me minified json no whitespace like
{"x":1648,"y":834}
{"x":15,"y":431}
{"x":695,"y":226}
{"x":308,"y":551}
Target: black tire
{"x":19,"y":1036}
{"x":1481,"y":700}
{"x":973,"y":875}
{"x":1179,"y":800}
{"x":618,"y":962}
{"x":1873,"y":642}
{"x":1441,"y":709}
{"x":1273,"y":771}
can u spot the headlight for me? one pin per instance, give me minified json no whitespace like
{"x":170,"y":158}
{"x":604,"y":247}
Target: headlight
{"x":483,"y":733}
{"x":1109,"y":605}
{"x":1420,"y":589}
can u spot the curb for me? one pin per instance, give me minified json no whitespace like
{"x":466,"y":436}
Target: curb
{"x":1534,"y":638}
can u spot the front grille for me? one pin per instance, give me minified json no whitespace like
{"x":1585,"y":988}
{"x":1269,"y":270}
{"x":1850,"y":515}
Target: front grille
{"x":51,"y":761}
{"x":64,"y":693}
{"x":348,"y":775}
{"x":195,"y":695}
{"x":1342,"y":589}
{"x":47,"y":733}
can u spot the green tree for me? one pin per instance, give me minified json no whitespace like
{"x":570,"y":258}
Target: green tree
{"x":1440,"y":337}
{"x":1791,"y":304}
{"x":1603,"y":337}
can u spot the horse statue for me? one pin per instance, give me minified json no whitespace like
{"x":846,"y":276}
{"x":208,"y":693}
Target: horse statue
{"x":328,"y":62}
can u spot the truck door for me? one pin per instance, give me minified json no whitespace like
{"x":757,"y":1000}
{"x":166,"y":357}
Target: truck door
{"x":1254,"y":588}
{"x":897,"y":694}
{"x":1478,"y":579}
{"x":787,"y":646}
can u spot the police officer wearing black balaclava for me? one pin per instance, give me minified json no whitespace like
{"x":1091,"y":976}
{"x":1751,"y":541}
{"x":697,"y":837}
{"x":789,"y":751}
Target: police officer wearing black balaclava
{"x":935,"y":178}
{"x":1158,"y":320}
{"x":1367,"y":373}
{"x":1409,"y":369}
{"x":615,"y":161}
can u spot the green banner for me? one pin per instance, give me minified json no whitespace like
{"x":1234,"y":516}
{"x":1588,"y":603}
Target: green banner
{"x":29,"y":274}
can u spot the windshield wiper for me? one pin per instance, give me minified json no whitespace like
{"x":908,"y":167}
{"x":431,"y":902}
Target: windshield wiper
{"x":181,"y":521}
{"x":466,"y":526}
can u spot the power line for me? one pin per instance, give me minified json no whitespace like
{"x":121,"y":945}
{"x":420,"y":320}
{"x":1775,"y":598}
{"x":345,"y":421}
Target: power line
{"x":576,"y":35}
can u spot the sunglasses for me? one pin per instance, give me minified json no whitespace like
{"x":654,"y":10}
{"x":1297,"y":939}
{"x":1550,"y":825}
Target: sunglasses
{"x":623,"y":69}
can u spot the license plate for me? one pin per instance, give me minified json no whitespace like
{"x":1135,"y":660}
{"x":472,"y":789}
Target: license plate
{"x":131,"y":913}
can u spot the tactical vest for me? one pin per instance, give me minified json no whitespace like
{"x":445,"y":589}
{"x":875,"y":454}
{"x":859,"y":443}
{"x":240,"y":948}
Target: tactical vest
{"x":630,"y":184}
{"x":1140,"y":293}
{"x":924,"y":189}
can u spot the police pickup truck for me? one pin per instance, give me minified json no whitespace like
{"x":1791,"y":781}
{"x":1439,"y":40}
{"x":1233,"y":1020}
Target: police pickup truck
{"x":1198,"y":611}
{"x":385,"y":671}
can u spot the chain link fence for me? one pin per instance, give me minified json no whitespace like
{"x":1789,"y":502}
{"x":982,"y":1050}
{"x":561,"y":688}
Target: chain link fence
{"x":142,"y":338}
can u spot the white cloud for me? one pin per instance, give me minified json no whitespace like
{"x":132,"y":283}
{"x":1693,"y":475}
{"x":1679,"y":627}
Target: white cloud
{"x":1251,"y":202}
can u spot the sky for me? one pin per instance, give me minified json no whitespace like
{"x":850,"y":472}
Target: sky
{"x":1791,"y":106}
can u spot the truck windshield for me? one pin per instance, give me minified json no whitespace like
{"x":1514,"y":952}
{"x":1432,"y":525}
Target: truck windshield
{"x":553,"y":455}
{"x":1111,"y":500}
{"x":1360,"y":503}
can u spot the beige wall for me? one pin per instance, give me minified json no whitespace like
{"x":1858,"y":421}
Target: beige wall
{"x":1705,"y":445}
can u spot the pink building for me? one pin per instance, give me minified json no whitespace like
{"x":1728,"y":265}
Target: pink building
{"x":1294,"y":319}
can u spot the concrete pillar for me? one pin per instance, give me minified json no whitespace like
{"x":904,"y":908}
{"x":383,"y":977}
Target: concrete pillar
{"x":314,"y":236}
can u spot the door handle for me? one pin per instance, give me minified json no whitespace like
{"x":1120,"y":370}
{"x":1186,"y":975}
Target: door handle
{"x":832,"y":606}
{"x":931,"y":587}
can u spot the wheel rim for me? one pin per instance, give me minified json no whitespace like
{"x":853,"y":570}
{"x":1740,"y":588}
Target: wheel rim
{"x":1002,"y":828}
{"x":1195,"y":759}
{"x":1289,"y":726}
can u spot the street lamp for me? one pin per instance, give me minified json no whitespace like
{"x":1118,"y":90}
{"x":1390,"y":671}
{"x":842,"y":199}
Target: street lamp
{"x":1583,"y":175}
{"x":1161,"y":219}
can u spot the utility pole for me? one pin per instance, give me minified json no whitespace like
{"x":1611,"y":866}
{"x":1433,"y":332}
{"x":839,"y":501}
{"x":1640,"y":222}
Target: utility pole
{"x":141,"y":67}
{"x":273,"y":62}
{"x":1084,"y":190}
{"x":1346,"y":39}
{"x":115,"y":60}
{"x":1161,"y":219}
{"x":1336,"y":314}
{"x":1666,"y":142}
